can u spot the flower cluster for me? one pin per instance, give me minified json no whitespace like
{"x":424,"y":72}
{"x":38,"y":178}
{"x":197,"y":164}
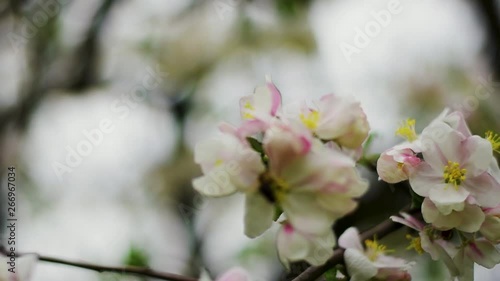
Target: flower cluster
{"x":457,"y":178}
{"x":296,"y":169}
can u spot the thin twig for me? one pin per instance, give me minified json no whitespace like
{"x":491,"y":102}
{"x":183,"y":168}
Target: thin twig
{"x":142,"y":271}
{"x":380,"y":231}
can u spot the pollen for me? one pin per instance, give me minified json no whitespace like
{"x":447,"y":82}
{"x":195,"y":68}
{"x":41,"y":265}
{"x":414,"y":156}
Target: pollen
{"x":453,"y":174}
{"x":494,"y":139}
{"x":415,"y":244}
{"x":249,"y":108}
{"x":407,"y":130}
{"x":374,"y":249}
{"x":311,"y":119}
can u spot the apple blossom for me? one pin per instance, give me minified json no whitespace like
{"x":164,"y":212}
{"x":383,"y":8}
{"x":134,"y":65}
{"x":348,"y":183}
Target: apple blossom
{"x":430,"y":241}
{"x":296,"y":168}
{"x":371,"y":262}
{"x":265,"y":102}
{"x":454,"y":168}
{"x":336,"y":118}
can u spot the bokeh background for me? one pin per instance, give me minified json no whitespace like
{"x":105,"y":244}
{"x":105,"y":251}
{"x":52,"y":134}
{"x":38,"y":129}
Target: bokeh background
{"x":102,"y":102}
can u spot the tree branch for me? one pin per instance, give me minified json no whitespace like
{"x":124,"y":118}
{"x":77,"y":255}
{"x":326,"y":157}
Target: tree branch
{"x":141,"y":271}
{"x":380,"y":231}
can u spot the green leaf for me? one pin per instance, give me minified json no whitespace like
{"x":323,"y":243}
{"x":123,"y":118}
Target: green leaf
{"x":136,"y":257}
{"x":256,"y":145}
{"x":331,"y":274}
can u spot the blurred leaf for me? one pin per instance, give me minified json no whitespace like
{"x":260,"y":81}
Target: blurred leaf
{"x":416,"y":200}
{"x":256,"y":145}
{"x":136,"y":257}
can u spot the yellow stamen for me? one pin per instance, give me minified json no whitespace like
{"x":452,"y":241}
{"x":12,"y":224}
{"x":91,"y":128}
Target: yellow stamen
{"x":374,"y":249}
{"x":218,"y":162}
{"x":401,"y":166}
{"x":311,"y":120}
{"x":415,"y":244}
{"x":407,"y":130}
{"x":494,"y":139}
{"x":249,"y":107}
{"x":453,"y":174}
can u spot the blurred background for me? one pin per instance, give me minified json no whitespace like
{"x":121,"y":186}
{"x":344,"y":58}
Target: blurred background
{"x":102,"y":102}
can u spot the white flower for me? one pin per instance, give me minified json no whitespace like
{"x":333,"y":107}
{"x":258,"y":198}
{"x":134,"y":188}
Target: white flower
{"x":336,"y":118}
{"x":364,"y":264}
{"x":454,"y":168}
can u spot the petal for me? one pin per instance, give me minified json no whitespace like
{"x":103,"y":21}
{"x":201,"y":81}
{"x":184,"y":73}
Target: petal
{"x":456,"y":120}
{"x":275,"y":96}
{"x":485,"y":189}
{"x":213,"y":186}
{"x":337,"y":204}
{"x":478,"y":153}
{"x":483,"y":253}
{"x":321,"y":249}
{"x":350,"y":239}
{"x":306,"y":215}
{"x":259,"y":214}
{"x":425,"y":178}
{"x":490,"y":228}
{"x":445,"y":144}
{"x":291,"y":245}
{"x":446,"y":196}
{"x":358,"y":265}
{"x":432,"y":215}
{"x":472,"y":218}
{"x":390,"y":170}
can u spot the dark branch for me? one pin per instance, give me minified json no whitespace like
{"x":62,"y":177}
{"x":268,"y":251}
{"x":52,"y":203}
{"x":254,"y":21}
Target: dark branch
{"x":140,"y":271}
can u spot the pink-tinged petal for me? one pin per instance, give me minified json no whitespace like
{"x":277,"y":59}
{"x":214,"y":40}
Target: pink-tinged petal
{"x":490,"y":228}
{"x":283,"y":145}
{"x":447,"y":198}
{"x":483,"y":253}
{"x":456,"y":120}
{"x":478,"y":153}
{"x":292,"y":246}
{"x":259,"y":214}
{"x":409,"y":221}
{"x":235,"y":274}
{"x":275,"y":97}
{"x":485,"y":189}
{"x":251,"y":128}
{"x":424,"y":178}
{"x":390,"y":170}
{"x":213,"y":186}
{"x":359,"y":267}
{"x":350,"y":239}
{"x":390,"y":262}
